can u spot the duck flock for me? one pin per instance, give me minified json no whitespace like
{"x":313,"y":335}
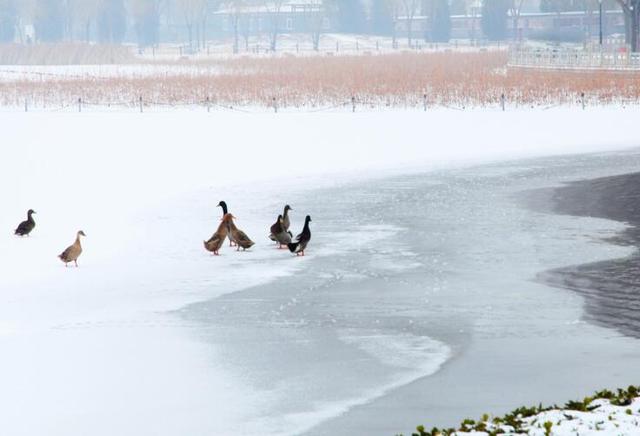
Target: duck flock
{"x":279,"y":233}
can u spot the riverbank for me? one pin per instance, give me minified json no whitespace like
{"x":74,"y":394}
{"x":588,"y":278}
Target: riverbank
{"x":611,"y":288}
{"x":616,"y":412}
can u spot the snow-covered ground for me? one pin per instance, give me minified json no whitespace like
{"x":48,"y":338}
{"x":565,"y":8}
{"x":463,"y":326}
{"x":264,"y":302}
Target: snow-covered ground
{"x":42,"y":73}
{"x":331,"y":44}
{"x":97,"y":350}
{"x":605,"y":418}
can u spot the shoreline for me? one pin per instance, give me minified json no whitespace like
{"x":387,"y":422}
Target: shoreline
{"x":501,"y":368}
{"x":611,"y":288}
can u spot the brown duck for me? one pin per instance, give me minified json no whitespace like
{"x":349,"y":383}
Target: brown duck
{"x":225,"y":210}
{"x":237,"y":235}
{"x":215,"y":242}
{"x":73,"y":252}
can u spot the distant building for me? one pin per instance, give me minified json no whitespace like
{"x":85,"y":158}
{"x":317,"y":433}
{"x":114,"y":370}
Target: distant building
{"x":567,"y":26}
{"x":290,"y":16}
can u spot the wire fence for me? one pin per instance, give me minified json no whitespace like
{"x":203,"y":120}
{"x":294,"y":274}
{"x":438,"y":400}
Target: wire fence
{"x":351,"y":105}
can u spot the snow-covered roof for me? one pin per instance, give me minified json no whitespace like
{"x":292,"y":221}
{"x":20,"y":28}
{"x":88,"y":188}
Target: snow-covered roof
{"x":270,"y":6}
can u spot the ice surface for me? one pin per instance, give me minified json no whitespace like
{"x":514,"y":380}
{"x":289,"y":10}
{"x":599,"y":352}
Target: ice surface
{"x":153,"y":335}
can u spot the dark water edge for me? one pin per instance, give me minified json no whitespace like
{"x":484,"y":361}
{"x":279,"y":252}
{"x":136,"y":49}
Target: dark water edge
{"x":611,"y":289}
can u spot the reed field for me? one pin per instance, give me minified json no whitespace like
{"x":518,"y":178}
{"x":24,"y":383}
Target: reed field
{"x":400,"y":80}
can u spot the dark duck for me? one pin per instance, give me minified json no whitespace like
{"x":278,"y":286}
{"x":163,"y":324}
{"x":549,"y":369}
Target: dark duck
{"x":302,"y":240}
{"x":27,"y":226}
{"x":279,"y":234}
{"x":225,"y":211}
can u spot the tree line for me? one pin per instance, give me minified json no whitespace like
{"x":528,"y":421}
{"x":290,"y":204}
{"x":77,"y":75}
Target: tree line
{"x":113,"y":21}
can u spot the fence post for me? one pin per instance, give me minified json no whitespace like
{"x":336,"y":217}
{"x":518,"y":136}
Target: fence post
{"x":353,"y":104}
{"x":79,"y":104}
{"x":26,"y":107}
{"x":582,"y":100}
{"x":275,"y":105}
{"x":140,"y":104}
{"x":502,"y":101}
{"x":208,"y":104}
{"x":424,"y":101}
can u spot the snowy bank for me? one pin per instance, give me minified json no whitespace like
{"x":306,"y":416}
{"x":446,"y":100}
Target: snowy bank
{"x":604,"y":413}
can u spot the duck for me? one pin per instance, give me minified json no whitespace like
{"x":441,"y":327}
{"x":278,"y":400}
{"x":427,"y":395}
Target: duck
{"x":302,"y":240}
{"x":25,"y":227}
{"x":286,"y":222}
{"x":238,"y":236}
{"x":225,"y":211}
{"x":279,"y":234}
{"x":73,"y":252}
{"x":215,"y":242}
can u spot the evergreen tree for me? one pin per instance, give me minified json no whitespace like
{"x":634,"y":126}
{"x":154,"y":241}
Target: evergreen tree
{"x":381,"y":19}
{"x":49,"y":20}
{"x":8,"y":20}
{"x":351,"y":16}
{"x":111,"y":21}
{"x":494,"y":19}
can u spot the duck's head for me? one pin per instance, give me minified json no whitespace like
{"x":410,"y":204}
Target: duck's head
{"x":31,"y":212}
{"x":81,"y":233}
{"x":280,"y":218}
{"x":307,"y":219}
{"x":223,"y":205}
{"x":287,"y":208}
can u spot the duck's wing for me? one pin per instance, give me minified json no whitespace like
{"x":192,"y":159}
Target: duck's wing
{"x":243,"y":239}
{"x":275,"y":228}
{"x":215,"y":242}
{"x":23,"y":227}
{"x":71,"y":253}
{"x":283,"y":237}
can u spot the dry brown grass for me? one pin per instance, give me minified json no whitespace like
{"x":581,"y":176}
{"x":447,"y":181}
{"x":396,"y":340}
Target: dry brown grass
{"x":63,"y":54}
{"x":397,"y":80}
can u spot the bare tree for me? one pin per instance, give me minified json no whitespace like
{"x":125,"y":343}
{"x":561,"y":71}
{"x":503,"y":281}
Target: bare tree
{"x":236,"y":9}
{"x":273,"y":8}
{"x":631,"y":9}
{"x":316,"y":13}
{"x":394,"y":7}
{"x":515,"y":9}
{"x":192,"y":10}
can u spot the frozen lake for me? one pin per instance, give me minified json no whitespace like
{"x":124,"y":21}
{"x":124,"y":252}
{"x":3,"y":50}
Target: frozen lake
{"x":417,"y":303}
{"x":420,"y":304}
